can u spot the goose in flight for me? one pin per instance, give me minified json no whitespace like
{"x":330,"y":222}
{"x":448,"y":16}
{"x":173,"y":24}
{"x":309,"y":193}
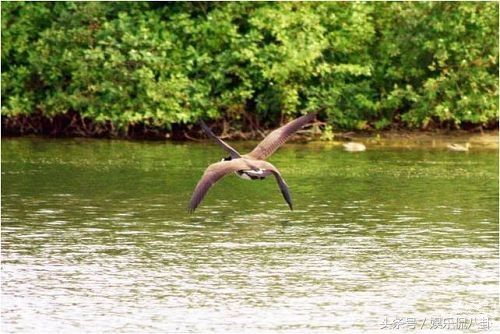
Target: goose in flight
{"x":251,"y":166}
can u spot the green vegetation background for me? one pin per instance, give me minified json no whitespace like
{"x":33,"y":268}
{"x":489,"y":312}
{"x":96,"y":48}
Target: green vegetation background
{"x":370,"y":65}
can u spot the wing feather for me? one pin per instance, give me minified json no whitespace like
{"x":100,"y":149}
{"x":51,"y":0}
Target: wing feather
{"x":212,"y":174}
{"x":281,"y":182}
{"x":277,"y":137}
{"x":232,"y":152}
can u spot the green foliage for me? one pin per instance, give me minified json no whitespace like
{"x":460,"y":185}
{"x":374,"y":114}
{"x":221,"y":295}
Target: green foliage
{"x":440,"y":64}
{"x":367,"y":64}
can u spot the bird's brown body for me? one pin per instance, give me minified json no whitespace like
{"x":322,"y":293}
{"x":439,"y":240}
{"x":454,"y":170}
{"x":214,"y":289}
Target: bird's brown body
{"x":251,"y":166}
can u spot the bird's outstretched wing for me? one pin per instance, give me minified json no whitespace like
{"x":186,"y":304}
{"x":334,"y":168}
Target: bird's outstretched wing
{"x":281,"y":183}
{"x":284,"y":189}
{"x":232,"y":152}
{"x":276,"y":138}
{"x":212,"y":174}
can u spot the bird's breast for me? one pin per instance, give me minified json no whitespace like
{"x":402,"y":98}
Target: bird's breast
{"x":251,"y":174}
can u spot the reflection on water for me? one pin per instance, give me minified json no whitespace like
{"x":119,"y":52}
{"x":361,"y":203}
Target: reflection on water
{"x":95,"y":237}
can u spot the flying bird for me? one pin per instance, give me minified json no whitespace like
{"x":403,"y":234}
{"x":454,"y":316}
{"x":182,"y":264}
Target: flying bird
{"x":250,"y":166}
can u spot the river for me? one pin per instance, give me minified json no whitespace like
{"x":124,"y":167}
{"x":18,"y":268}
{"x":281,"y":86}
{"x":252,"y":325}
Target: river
{"x":96,"y":238}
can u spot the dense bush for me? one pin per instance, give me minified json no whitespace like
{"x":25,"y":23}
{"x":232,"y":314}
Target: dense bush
{"x":369,"y":64}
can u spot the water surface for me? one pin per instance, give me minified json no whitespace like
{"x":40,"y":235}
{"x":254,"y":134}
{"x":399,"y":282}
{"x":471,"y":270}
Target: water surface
{"x":96,"y":238}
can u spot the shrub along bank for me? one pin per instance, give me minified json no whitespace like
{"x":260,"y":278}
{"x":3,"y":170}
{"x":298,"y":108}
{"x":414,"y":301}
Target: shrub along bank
{"x":102,"y":68}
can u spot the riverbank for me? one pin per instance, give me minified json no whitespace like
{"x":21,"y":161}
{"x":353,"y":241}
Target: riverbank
{"x":72,"y":125}
{"x":437,"y":139}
